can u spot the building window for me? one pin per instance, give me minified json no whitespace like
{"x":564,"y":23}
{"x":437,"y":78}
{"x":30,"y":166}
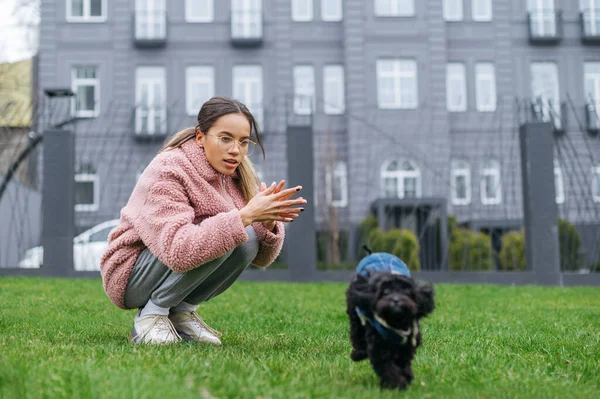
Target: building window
{"x":543,"y":17}
{"x":248,"y":88}
{"x":304,"y":89}
{"x":491,"y":186}
{"x":331,"y":10}
{"x":150,"y":19}
{"x":456,"y":87}
{"x":150,"y":101}
{"x":302,"y":10}
{"x":86,"y":10}
{"x":596,"y":183}
{"x":590,"y":10}
{"x":397,"y":83}
{"x":545,"y":93}
{"x":460,"y":182}
{"x":485,"y":87}
{"x":246,"y":19}
{"x":86,"y":86}
{"x":401,"y":179}
{"x":481,"y":10}
{"x":394,"y":8}
{"x":87,"y":191}
{"x":199,"y":10}
{"x":559,"y":185}
{"x":337,"y":184}
{"x":453,"y":10}
{"x":200,"y":87}
{"x":591,"y":72}
{"x":333,"y":90}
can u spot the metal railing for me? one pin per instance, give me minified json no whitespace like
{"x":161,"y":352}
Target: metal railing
{"x":545,"y":25}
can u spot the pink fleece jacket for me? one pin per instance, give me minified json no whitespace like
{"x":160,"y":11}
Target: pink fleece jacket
{"x":186,"y":213}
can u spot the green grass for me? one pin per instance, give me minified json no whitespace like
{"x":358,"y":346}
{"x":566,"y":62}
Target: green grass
{"x":63,"y":339}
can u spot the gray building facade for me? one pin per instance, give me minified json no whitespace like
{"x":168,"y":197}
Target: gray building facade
{"x":406,"y":98}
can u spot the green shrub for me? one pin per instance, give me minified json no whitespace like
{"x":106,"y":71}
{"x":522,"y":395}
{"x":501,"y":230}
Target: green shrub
{"x":470,"y":250}
{"x":390,"y":239}
{"x":375,"y":240}
{"x":368,"y":224}
{"x":569,"y":242}
{"x":512,"y":254}
{"x":407,"y":248}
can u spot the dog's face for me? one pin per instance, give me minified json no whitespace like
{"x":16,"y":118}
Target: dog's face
{"x":399,"y":300}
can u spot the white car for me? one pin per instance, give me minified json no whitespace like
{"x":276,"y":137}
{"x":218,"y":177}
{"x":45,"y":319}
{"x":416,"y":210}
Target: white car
{"x":88,"y":248}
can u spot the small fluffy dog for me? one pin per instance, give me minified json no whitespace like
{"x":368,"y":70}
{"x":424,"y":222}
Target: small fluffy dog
{"x":384,"y":306}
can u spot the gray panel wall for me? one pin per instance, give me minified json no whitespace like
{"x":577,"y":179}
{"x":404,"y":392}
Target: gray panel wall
{"x":430,"y":135}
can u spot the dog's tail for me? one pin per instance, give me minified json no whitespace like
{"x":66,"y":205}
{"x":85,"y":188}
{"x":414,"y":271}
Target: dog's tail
{"x":366,"y":248}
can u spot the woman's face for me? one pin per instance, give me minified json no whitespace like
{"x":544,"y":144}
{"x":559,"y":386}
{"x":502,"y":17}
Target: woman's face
{"x":225,"y":156}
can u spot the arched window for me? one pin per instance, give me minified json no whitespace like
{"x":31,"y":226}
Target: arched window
{"x":401,"y":179}
{"x":460,"y":182}
{"x":559,"y":185}
{"x":491,"y":185}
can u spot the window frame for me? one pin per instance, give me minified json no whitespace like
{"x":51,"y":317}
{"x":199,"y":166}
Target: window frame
{"x":461,"y":76}
{"x":208,"y":17}
{"x":161,"y":79}
{"x":397,"y":74}
{"x":400,"y":175}
{"x":87,"y":178}
{"x":337,"y":17}
{"x":395,"y":8}
{"x":595,"y":187}
{"x":310,"y":11}
{"x":495,"y":172}
{"x":76,"y":83}
{"x":86,"y":17}
{"x":458,"y":13}
{"x":249,"y":79}
{"x":479,"y":79}
{"x":190,"y":79}
{"x":339,"y":79}
{"x":460,"y":168}
{"x":307,"y":90}
{"x":337,"y":170}
{"x":482,"y":17}
{"x":559,"y":183}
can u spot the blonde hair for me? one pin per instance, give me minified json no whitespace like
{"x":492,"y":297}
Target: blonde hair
{"x":209,"y":113}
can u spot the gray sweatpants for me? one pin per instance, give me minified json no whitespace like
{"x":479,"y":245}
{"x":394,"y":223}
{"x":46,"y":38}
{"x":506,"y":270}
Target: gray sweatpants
{"x":152,"y":280}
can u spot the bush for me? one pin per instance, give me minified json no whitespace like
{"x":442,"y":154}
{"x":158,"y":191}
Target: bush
{"x":375,"y":240}
{"x":512,"y":254}
{"x":407,"y":248}
{"x":569,"y":242}
{"x":470,"y":250}
{"x":368,"y":224}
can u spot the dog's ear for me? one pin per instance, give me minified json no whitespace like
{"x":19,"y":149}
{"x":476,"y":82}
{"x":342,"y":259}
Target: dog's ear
{"x":362,"y":292}
{"x":425,"y":298}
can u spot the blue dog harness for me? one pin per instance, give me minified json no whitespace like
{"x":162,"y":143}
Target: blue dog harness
{"x":385,"y":262}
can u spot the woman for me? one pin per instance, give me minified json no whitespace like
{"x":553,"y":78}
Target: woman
{"x":195,"y":220}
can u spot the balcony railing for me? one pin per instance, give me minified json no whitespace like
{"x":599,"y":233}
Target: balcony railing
{"x":545,"y":26}
{"x":150,"y":123}
{"x":150,"y":28}
{"x":247,"y":28}
{"x":592,"y":118}
{"x":590,"y":26}
{"x":543,"y":110}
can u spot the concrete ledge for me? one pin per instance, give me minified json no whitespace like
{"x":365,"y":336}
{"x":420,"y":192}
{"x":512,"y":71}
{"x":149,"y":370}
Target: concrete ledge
{"x":344,"y":276}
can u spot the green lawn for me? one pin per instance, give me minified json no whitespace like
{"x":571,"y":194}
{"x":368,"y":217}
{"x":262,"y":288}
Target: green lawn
{"x":63,"y":339}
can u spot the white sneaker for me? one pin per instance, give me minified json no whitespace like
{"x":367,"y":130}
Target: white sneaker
{"x":191,"y":327}
{"x":153,"y":329}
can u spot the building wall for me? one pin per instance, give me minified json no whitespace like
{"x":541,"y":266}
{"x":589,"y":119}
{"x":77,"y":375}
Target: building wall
{"x":364,"y":136}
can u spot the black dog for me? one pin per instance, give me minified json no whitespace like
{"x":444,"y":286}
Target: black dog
{"x":384,"y":309}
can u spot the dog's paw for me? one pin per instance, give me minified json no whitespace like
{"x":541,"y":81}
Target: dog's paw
{"x":357,"y":356}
